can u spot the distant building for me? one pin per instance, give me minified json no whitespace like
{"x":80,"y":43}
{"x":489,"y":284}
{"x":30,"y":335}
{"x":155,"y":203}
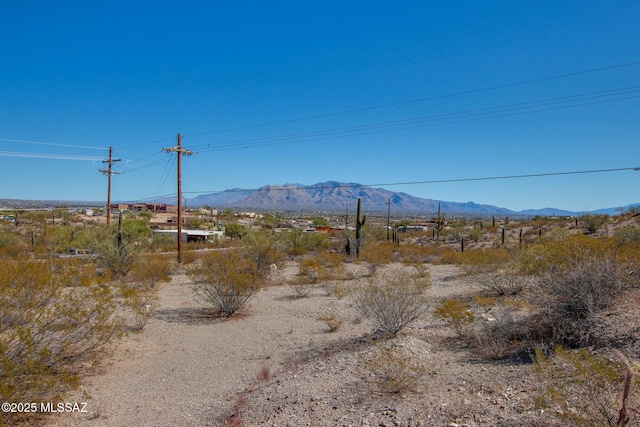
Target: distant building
{"x":152,"y":207}
{"x":194,"y":235}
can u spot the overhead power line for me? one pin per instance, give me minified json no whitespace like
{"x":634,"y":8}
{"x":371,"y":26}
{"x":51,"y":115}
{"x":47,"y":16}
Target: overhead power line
{"x":611,"y":95}
{"x":434,"y":181}
{"x":51,"y":143}
{"x":48,"y":156}
{"x":430,"y":98}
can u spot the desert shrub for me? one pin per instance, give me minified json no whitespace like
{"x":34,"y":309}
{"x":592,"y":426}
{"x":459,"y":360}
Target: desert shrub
{"x":475,"y":235}
{"x":163,"y":243}
{"x":116,"y":251}
{"x":264,"y":249}
{"x":334,"y":263}
{"x":312,"y":270}
{"x":421,"y":270}
{"x":506,"y":336}
{"x":392,"y":371}
{"x":299,"y":243}
{"x":594,"y":222}
{"x":506,"y":280}
{"x":627,"y":234}
{"x":149,"y":270}
{"x":447,"y":255}
{"x":233,"y":230}
{"x":455,"y":314}
{"x":47,"y":328}
{"x":486,"y":257}
{"x":227,"y":281}
{"x":379,"y":252}
{"x":564,"y":251}
{"x":417,"y":254}
{"x":301,"y":286}
{"x":324,"y":266}
{"x":571,"y":298}
{"x":392,"y":303}
{"x":333,"y":320}
{"x":577,"y":278}
{"x":8,"y":239}
{"x":583,"y":388}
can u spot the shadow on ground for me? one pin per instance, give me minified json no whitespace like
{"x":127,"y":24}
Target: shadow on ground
{"x":190,"y":315}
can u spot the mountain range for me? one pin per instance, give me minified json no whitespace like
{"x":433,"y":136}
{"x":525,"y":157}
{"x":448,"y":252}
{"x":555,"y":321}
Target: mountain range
{"x":326,"y":196}
{"x":334,"y":196}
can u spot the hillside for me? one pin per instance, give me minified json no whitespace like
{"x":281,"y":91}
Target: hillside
{"x":333,"y":195}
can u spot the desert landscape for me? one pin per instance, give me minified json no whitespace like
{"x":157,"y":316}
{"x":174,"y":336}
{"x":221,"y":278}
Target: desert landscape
{"x":536,"y":327}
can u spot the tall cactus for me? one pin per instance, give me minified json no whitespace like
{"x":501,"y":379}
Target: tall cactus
{"x":359,"y":224}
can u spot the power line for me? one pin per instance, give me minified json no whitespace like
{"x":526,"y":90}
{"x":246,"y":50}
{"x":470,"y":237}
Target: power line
{"x":435,"y":181}
{"x":51,"y":144}
{"x":427,"y":121}
{"x":431,"y":98}
{"x":48,"y":156}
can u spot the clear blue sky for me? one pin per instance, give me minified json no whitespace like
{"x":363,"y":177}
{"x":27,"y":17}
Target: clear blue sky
{"x":306,"y":92}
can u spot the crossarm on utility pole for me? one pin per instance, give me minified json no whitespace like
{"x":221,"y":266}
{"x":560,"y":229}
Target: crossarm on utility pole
{"x":109,"y":172}
{"x":180,"y":151}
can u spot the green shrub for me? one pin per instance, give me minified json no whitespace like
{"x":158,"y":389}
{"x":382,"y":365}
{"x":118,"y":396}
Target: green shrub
{"x":226,"y":280}
{"x":456,"y":314}
{"x":264,"y":249}
{"x":47,"y":328}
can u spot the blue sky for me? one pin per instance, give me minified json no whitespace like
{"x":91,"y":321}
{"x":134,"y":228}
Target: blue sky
{"x":306,"y":92}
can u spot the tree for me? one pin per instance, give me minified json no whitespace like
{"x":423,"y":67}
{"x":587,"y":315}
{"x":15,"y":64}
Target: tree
{"x":320,"y":222}
{"x":234,"y":230}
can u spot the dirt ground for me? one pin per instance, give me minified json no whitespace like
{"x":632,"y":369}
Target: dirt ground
{"x":276,"y":364}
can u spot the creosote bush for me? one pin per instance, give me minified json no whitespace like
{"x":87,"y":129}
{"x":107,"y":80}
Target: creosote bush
{"x":392,"y":303}
{"x":264,"y":249}
{"x":47,"y":328}
{"x":226,"y":280}
{"x":149,"y":270}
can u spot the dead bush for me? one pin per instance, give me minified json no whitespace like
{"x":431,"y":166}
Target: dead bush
{"x":584,"y":388}
{"x":301,"y":286}
{"x":499,"y":280}
{"x":226,"y":280}
{"x":571,"y":298}
{"x":332,"y":320}
{"x":392,"y":303}
{"x":501,"y":337}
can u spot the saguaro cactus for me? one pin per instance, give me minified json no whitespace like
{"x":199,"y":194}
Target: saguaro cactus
{"x":359,"y":224}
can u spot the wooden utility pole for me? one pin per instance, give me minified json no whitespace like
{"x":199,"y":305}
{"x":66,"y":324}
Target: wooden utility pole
{"x":388,"y":218}
{"x":109,"y":172}
{"x":346,"y":219}
{"x":180,"y":151}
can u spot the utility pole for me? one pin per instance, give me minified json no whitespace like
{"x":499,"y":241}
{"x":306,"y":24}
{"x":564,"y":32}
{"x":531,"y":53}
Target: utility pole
{"x":180,"y":151}
{"x":388,"y":217}
{"x":346,"y":219}
{"x":109,"y":172}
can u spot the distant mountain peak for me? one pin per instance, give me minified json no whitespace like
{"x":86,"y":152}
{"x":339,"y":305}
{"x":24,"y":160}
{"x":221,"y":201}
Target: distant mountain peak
{"x":334,"y":195}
